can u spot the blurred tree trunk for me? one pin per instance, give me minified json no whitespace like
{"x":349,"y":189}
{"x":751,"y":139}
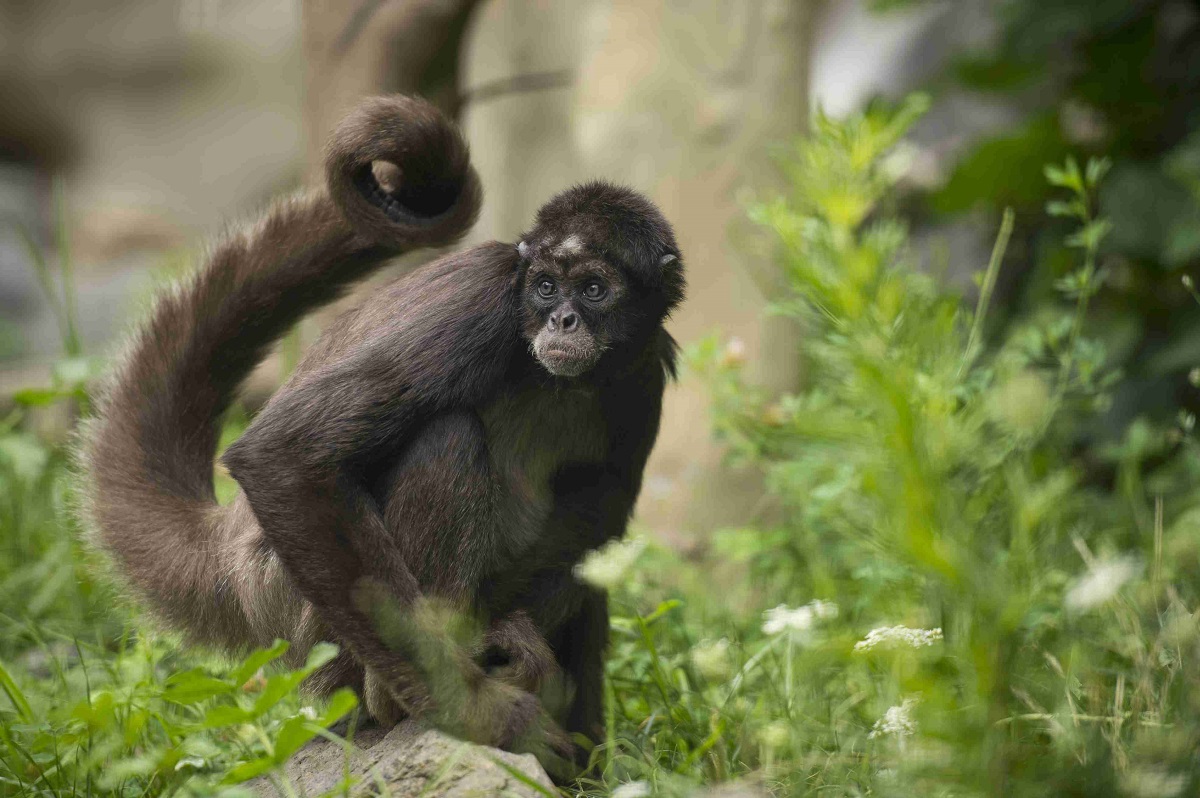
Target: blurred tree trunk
{"x":355,"y":48}
{"x":684,"y":99}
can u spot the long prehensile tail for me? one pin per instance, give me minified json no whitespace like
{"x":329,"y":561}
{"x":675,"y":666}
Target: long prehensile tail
{"x":147,"y":456}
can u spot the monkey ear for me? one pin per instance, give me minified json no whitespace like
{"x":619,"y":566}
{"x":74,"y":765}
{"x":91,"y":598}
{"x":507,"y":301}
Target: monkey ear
{"x":523,"y":250}
{"x":665,"y":259}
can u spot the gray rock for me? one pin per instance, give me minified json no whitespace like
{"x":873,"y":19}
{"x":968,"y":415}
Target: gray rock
{"x":409,"y":760}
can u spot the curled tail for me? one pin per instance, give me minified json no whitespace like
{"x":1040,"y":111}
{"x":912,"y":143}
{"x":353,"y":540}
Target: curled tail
{"x":147,"y":456}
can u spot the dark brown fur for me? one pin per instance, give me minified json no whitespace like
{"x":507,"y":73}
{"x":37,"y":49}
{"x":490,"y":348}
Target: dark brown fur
{"x":425,"y":447}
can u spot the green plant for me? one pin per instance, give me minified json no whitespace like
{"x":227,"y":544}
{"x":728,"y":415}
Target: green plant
{"x":1111,"y":77}
{"x":90,"y":706}
{"x":120,"y":723}
{"x":960,"y":611}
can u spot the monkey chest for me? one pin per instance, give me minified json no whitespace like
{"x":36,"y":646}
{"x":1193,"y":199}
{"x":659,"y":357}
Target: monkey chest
{"x":531,"y":434}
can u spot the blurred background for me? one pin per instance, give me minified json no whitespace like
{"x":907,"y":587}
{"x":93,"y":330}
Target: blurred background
{"x":167,"y":119}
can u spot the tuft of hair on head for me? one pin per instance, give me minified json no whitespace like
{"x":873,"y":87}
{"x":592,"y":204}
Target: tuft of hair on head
{"x":625,"y":226}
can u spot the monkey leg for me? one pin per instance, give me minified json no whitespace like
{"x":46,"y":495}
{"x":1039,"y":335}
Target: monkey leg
{"x":579,"y":644}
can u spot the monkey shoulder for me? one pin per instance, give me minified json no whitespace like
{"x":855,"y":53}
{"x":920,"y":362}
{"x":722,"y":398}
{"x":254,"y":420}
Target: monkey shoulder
{"x":444,"y":329}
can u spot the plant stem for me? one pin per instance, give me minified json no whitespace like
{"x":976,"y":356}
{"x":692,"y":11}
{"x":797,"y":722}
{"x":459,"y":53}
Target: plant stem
{"x":988,"y":287}
{"x":62,"y":245}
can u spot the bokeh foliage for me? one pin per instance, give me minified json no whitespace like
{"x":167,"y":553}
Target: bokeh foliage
{"x":1112,"y":78}
{"x":965,"y":612}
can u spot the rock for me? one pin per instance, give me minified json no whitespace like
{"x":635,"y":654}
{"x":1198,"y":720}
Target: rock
{"x":409,"y":760}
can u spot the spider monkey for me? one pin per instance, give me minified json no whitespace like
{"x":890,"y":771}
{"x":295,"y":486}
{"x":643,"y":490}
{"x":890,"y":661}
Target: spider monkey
{"x":466,"y":434}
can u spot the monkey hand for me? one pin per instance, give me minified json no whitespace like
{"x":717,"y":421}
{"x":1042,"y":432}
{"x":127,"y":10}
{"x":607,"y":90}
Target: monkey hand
{"x":505,"y":716}
{"x":514,"y":651}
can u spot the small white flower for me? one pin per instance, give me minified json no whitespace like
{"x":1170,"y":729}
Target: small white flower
{"x":633,"y":789}
{"x":308,"y":712}
{"x":898,"y":635}
{"x":711,"y":659}
{"x":1100,"y":583}
{"x":606,"y":566}
{"x":801,"y":619}
{"x":897,"y":721}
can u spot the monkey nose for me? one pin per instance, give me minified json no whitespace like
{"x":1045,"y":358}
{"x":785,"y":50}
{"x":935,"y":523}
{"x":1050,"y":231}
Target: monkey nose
{"x":568,"y":321}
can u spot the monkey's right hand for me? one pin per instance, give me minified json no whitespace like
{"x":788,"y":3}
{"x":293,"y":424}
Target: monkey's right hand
{"x":508,"y":717}
{"x":513,"y":650}
{"x":433,"y":642}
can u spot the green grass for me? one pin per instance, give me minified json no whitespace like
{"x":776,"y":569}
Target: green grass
{"x":953,"y":595}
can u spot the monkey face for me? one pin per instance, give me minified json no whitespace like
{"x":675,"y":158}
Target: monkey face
{"x":574,"y":306}
{"x":600,"y":271}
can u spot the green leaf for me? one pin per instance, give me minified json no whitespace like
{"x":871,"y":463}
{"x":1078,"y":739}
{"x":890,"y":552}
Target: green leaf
{"x":248,"y":770}
{"x":1097,"y":168}
{"x":38,"y":397}
{"x":194,"y":686}
{"x":255,"y":662}
{"x":321,"y":653}
{"x":994,"y":74}
{"x":1005,"y":171}
{"x":294,"y":733}
{"x":662,"y":609}
{"x":220,"y":716}
{"x":340,"y":704}
{"x":14,"y":693}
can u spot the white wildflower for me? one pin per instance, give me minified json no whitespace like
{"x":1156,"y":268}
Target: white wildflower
{"x":632,"y":789}
{"x":1100,"y":583}
{"x":308,"y":712}
{"x":606,"y":566}
{"x":711,"y":659}
{"x":898,"y":635}
{"x":799,"y":619}
{"x":897,"y":721}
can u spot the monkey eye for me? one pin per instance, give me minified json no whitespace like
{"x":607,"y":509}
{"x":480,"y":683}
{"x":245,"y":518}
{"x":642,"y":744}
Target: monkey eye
{"x":595,"y":291}
{"x":546,"y":288}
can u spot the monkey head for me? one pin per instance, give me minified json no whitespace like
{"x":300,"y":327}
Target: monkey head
{"x":600,"y":271}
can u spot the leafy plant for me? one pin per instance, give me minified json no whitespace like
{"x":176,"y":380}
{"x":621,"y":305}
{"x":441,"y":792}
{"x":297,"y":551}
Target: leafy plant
{"x":956,"y":609}
{"x":89,"y":706}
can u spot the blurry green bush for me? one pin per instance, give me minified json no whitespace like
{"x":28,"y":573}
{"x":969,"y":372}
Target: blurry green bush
{"x":959,"y":611}
{"x":1119,"y":78}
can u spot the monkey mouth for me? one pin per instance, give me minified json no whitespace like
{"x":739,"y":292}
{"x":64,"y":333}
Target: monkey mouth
{"x":563,"y":360}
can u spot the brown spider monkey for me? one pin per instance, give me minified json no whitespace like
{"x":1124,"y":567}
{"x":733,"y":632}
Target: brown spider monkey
{"x":467,"y":434}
